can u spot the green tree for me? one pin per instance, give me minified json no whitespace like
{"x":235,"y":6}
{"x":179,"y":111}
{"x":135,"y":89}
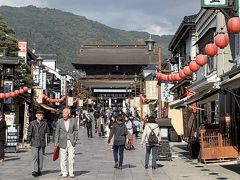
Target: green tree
{"x":8,"y":43}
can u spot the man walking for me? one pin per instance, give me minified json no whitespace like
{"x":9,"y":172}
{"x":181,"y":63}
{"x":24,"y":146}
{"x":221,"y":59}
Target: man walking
{"x":66,"y":136}
{"x":37,"y":131}
{"x":89,"y":126}
{"x":2,"y":136}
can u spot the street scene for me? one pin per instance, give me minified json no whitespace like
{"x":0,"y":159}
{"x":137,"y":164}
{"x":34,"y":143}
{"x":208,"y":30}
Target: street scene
{"x":119,"y":90}
{"x":94,"y":161}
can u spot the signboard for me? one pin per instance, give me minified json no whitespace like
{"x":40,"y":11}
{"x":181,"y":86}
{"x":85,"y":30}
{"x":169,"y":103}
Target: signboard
{"x":137,"y":102}
{"x":70,"y":101}
{"x":12,"y":138}
{"x":80,"y":102}
{"x":152,"y":90}
{"x":26,"y":121}
{"x":214,"y":3}
{"x":63,"y":85}
{"x":165,"y":92}
{"x":8,"y":87}
{"x":9,"y":118}
{"x":38,"y":95}
{"x":22,"y":46}
{"x":36,"y":73}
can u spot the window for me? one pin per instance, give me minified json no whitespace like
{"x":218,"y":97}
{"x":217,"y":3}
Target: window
{"x":211,"y":65}
{"x":237,"y":48}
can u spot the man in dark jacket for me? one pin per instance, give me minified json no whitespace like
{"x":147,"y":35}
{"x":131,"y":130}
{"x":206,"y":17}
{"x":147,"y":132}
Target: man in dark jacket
{"x":2,"y":136}
{"x":37,"y":131}
{"x":119,"y":131}
{"x":89,"y":125}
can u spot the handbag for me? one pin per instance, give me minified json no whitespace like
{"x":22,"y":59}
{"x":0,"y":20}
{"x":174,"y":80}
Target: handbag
{"x":55,"y":153}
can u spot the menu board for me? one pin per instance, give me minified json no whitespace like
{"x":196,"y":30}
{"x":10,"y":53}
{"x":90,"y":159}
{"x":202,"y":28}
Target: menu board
{"x":12,"y":136}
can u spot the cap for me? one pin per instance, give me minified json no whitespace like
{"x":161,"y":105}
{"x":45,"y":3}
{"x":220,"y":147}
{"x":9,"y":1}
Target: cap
{"x":39,"y":112}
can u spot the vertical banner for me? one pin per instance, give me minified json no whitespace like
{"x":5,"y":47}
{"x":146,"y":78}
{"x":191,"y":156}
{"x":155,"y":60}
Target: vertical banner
{"x":41,"y":78}
{"x":57,"y":96}
{"x":165,"y":92}
{"x":8,"y":87}
{"x":70,"y":101}
{"x":152,"y":90}
{"x":26,"y":121}
{"x":10,"y":119}
{"x":63,"y":85}
{"x":22,"y":46}
{"x":44,"y":80}
{"x":35,"y":73}
{"x":110,"y":102}
{"x":38,"y":95}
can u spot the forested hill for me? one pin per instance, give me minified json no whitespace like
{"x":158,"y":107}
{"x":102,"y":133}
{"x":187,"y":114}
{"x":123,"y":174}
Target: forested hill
{"x":55,"y":31}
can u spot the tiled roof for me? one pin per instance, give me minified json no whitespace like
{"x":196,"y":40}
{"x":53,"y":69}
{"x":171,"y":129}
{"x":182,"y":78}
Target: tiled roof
{"x":113,"y":54}
{"x":48,"y":56}
{"x":9,"y":60}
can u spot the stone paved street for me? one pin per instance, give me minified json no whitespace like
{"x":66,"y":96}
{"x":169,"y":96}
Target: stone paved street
{"x":94,"y":161}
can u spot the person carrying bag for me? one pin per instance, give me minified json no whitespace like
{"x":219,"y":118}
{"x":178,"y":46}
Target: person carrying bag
{"x":151,"y":137}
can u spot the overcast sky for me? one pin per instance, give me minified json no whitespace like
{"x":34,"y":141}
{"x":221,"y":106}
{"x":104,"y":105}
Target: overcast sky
{"x":154,"y":16}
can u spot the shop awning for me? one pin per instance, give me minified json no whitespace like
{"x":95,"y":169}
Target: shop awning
{"x":178,"y":103}
{"x":48,"y":108}
{"x":164,"y":122}
{"x":231,"y":82}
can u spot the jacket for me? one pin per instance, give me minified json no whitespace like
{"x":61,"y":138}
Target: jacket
{"x":147,"y":131}
{"x":62,"y":135}
{"x":36,"y":133}
{"x":119,"y":131}
{"x":3,"y":130}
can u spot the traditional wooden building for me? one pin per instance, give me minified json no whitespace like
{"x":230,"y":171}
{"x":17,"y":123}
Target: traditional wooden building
{"x":114,"y":71}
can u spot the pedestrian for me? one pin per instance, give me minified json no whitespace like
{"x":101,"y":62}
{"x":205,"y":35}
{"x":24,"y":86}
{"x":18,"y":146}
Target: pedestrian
{"x":37,"y":131}
{"x":2,"y":136}
{"x":89,"y":126}
{"x":119,"y":132}
{"x":66,"y":137}
{"x":151,"y":136}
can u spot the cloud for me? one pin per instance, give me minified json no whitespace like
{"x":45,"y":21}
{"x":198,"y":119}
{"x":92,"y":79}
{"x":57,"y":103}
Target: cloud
{"x":154,"y":16}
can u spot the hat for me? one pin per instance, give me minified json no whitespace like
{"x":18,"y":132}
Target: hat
{"x":39,"y":112}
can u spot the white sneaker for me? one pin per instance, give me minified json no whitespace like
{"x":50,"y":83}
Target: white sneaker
{"x":71,"y":175}
{"x":64,"y":175}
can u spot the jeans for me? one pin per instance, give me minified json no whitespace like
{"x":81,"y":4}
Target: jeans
{"x":118,"y":151}
{"x":89,"y":131}
{"x":154,"y":148}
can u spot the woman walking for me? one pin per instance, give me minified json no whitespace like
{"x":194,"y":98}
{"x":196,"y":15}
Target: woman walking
{"x":119,"y":132}
{"x":151,"y":136}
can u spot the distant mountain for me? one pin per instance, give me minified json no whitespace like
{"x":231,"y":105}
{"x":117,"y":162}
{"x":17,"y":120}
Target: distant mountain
{"x":55,"y":31}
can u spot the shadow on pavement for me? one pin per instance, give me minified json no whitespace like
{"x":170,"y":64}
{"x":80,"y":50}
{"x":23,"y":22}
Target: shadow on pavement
{"x":12,"y":159}
{"x":50,"y":171}
{"x":232,"y":167}
{"x":79,"y":173}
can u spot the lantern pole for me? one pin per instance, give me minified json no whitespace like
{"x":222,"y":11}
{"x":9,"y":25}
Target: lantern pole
{"x":159,"y":86}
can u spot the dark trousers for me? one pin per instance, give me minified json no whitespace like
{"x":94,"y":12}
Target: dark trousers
{"x":154,"y":148}
{"x":118,"y":154}
{"x":89,"y":131}
{"x":37,"y":159}
{"x":1,"y":149}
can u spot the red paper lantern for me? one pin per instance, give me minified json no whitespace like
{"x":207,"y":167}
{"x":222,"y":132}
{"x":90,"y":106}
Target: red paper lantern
{"x":222,"y":40}
{"x":182,"y":74}
{"x":234,"y":24}
{"x":25,"y":88}
{"x":194,"y":66}
{"x":12,"y":94}
{"x":159,"y":76}
{"x":187,"y":71}
{"x":21,"y":91}
{"x":2,"y":95}
{"x":170,"y":78}
{"x":211,"y":49}
{"x":48,"y":99}
{"x":7,"y":95}
{"x":201,"y":59}
{"x":17,"y":92}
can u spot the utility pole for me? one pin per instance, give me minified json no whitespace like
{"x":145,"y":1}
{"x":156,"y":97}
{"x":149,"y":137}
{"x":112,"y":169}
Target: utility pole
{"x":159,"y":87}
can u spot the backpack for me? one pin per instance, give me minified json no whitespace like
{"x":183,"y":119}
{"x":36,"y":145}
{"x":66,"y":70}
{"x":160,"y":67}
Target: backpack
{"x":96,"y":114}
{"x":152,"y":138}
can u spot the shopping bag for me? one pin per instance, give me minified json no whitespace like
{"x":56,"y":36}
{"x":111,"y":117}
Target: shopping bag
{"x":111,"y":142}
{"x":55,"y":153}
